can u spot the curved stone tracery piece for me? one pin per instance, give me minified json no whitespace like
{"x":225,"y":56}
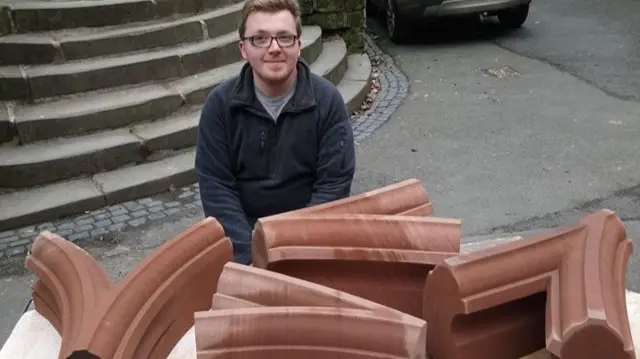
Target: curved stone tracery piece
{"x":306,"y":332}
{"x":378,"y":257}
{"x":407,"y":198}
{"x":242,"y":286}
{"x":69,"y":285}
{"x":143,"y":315}
{"x":495,"y":303}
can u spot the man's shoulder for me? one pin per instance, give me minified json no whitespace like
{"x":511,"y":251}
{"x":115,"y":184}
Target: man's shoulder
{"x":324,"y":90}
{"x":223,"y":90}
{"x":216,"y":103}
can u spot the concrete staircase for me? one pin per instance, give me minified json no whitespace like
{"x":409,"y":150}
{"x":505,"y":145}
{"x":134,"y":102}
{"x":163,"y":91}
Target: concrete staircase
{"x":101,"y":98}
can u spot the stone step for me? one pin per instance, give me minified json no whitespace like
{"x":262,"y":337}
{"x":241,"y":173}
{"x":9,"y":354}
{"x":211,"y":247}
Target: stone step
{"x":116,"y":108}
{"x":84,"y":43}
{"x":62,"y":158}
{"x":45,"y":81}
{"x":57,"y":200}
{"x":356,"y":83}
{"x":36,"y":16}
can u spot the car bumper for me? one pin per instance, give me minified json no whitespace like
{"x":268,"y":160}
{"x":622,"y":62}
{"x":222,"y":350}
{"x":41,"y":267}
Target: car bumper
{"x":416,"y":9}
{"x":463,"y":7}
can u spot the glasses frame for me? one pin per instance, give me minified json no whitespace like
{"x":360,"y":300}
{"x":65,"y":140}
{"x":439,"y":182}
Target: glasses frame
{"x":271,"y":38}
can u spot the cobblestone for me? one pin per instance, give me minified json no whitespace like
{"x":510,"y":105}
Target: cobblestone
{"x":156,"y":209}
{"x":120,"y":218}
{"x":9,"y":239}
{"x":155,"y":216}
{"x":86,"y":227}
{"x":138,"y":222}
{"x":85,"y":221}
{"x":16,"y":251}
{"x":19,"y":243}
{"x":104,"y":223}
{"x":140,"y":213}
{"x":117,"y":227}
{"x":79,"y":236}
{"x":99,"y":232}
{"x":135,"y":213}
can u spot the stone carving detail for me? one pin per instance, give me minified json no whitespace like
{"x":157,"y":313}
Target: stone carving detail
{"x":261,"y":314}
{"x":381,"y":258}
{"x":306,"y":332}
{"x":142,"y":316}
{"x":407,"y":198}
{"x":563,"y":289}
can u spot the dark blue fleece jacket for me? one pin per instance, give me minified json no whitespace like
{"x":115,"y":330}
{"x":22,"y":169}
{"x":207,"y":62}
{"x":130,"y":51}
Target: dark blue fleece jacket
{"x":250,"y":166}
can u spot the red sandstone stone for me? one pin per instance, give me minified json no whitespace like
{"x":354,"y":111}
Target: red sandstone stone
{"x":241,"y":286}
{"x":563,"y":289}
{"x":407,"y":198}
{"x":261,"y":314}
{"x":142,"y":316}
{"x":381,"y":258}
{"x":306,"y":332}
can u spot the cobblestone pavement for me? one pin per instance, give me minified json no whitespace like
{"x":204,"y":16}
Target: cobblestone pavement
{"x":104,"y":224}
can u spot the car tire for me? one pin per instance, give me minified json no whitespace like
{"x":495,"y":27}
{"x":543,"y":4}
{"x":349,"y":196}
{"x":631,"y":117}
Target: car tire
{"x":513,"y":18}
{"x":398,"y":28}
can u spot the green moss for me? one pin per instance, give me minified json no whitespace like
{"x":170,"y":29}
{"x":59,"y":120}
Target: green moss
{"x":354,"y":38}
{"x":338,"y":5}
{"x":306,"y":7}
{"x":5,"y":21}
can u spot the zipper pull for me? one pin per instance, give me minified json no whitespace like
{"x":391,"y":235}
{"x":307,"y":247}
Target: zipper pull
{"x":263,"y":136}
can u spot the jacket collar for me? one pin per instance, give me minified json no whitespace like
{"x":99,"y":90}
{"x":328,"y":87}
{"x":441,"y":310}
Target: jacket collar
{"x":243,"y":92}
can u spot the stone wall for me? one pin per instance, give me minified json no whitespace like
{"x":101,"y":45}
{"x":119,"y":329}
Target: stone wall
{"x":343,"y":17}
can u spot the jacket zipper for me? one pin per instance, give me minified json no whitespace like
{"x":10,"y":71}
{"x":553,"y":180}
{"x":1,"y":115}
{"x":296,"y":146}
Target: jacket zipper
{"x":342,"y":156}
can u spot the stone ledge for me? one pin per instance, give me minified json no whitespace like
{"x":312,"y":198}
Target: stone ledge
{"x":41,"y":48}
{"x":34,"y":16}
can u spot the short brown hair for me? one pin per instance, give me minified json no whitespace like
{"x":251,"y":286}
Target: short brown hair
{"x":251,"y":6}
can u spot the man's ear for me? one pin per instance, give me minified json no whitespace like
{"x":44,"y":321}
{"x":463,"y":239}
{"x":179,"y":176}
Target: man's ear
{"x":243,"y":50}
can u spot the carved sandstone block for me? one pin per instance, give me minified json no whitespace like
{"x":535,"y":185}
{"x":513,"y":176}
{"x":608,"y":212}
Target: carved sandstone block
{"x":381,"y":258}
{"x":261,"y":314}
{"x":306,"y":332}
{"x":406,"y":198}
{"x":241,"y":286}
{"x":564,"y":289}
{"x":142,"y":316}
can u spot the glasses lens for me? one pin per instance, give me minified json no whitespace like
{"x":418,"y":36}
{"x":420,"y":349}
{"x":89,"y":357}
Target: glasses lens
{"x":286,"y":40}
{"x":261,"y":41}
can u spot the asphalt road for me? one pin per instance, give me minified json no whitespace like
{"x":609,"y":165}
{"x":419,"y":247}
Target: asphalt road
{"x":554,"y":136}
{"x":595,"y":40}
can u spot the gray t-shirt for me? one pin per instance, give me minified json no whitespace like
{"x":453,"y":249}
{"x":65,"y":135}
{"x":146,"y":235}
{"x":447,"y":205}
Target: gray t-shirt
{"x":274,"y":105}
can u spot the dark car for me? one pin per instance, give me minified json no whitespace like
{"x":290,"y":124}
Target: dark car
{"x":402,"y":15}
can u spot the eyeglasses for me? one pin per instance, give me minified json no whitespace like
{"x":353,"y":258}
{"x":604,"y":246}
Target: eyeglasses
{"x":264,"y":41}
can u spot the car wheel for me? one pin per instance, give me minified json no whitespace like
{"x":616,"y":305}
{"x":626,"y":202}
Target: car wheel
{"x":513,"y":18}
{"x":397,"y":26}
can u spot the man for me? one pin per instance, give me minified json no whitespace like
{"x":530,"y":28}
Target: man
{"x":275,"y":138}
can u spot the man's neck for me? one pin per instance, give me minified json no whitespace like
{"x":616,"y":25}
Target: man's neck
{"x":275,"y":89}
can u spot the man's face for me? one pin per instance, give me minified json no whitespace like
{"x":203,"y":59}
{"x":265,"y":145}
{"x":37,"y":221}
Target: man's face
{"x":271,"y":61}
